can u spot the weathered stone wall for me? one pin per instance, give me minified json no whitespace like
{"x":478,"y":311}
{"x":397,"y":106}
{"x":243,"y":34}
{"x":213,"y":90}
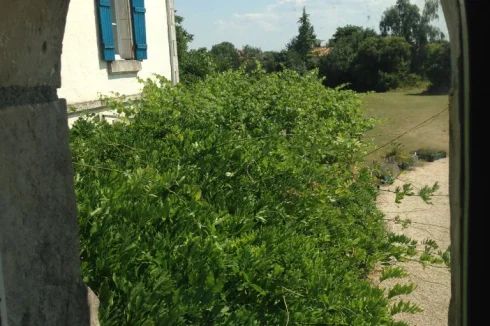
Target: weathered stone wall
{"x":38,"y":227}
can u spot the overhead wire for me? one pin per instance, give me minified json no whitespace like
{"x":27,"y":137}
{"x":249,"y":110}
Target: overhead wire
{"x":429,"y":120}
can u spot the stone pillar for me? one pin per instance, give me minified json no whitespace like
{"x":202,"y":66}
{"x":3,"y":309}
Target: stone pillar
{"x":41,"y":274}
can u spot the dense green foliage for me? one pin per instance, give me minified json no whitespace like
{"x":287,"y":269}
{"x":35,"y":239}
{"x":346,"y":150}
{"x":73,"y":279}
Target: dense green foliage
{"x":401,"y":19}
{"x":250,"y":56}
{"x":184,"y":38}
{"x":197,"y":65}
{"x":405,"y":20}
{"x":382,"y":63}
{"x":298,"y":49}
{"x":306,"y":38}
{"x":226,"y":56}
{"x":438,"y":67}
{"x":352,"y":35}
{"x":274,"y":61}
{"x":366,"y":61}
{"x":232,"y":202}
{"x":193,"y":64}
{"x":338,"y":66}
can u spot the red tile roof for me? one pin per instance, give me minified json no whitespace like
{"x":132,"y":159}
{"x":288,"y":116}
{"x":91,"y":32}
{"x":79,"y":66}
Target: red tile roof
{"x":321,"y":51}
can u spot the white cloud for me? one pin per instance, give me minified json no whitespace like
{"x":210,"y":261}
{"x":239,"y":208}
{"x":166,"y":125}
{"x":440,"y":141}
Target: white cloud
{"x":283,"y":16}
{"x":378,"y":2}
{"x":256,"y":16}
{"x":268,"y":27}
{"x":281,"y":3}
{"x":276,"y":23}
{"x":227,"y":25}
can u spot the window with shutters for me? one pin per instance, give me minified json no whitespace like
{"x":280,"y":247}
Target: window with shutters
{"x":123,"y":29}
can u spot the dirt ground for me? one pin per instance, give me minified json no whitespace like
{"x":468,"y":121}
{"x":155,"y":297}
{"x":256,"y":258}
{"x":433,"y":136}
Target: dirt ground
{"x":428,"y":222}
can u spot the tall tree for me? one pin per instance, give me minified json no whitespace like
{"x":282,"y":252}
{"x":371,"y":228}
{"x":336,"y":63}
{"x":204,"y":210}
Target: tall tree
{"x":183,"y":40}
{"x":438,"y":66}
{"x":193,"y":64}
{"x":226,"y":56}
{"x":337,"y":66}
{"x":428,"y":32}
{"x":405,"y":20}
{"x":274,"y":61}
{"x":381,"y":64}
{"x":198,"y":65}
{"x":352,"y":35}
{"x":249,"y":56}
{"x":306,"y":38}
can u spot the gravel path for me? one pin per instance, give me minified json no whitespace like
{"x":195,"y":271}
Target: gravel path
{"x":428,"y":222}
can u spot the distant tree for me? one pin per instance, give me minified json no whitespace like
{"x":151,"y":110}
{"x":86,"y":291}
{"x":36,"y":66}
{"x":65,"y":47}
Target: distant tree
{"x":250,"y":52}
{"x":304,"y":42}
{"x":184,"y":38}
{"x":295,"y":61}
{"x":426,"y":31}
{"x":274,"y":61}
{"x":438,"y":66}
{"x":197,"y":66}
{"x":405,"y":20}
{"x":250,"y":55}
{"x":226,"y":56}
{"x":351,"y":34}
{"x":193,"y":64}
{"x":337,"y":66}
{"x":381,"y":64}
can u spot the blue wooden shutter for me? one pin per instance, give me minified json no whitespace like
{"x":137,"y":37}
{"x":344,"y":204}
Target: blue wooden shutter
{"x":105,"y":20}
{"x":139,"y":29}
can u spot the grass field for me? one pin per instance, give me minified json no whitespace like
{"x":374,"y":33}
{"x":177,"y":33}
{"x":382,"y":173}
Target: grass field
{"x":401,"y":110}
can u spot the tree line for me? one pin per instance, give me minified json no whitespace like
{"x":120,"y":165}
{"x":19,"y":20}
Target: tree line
{"x":407,"y":50}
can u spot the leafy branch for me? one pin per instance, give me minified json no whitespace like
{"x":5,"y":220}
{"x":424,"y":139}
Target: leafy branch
{"x":427,"y":192}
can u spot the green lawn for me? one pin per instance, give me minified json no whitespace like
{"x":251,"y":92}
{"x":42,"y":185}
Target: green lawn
{"x":400,"y":111}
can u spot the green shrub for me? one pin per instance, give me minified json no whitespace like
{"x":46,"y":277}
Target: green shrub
{"x":412,"y":80}
{"x":382,"y":63}
{"x":337,"y":67}
{"x":402,"y":159}
{"x":225,"y":55}
{"x":388,"y":81}
{"x":198,"y":65}
{"x":231,"y":202}
{"x":438,"y":67}
{"x":395,"y":150}
{"x":406,"y":161}
{"x":251,"y":57}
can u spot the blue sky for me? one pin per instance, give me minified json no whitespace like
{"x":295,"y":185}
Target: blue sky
{"x":270,"y":24}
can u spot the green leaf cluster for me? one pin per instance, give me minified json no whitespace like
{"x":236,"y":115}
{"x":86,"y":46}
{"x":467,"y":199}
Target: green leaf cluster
{"x":232,"y":201}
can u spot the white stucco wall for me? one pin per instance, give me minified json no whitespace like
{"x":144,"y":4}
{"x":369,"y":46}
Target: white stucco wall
{"x":83,"y":72}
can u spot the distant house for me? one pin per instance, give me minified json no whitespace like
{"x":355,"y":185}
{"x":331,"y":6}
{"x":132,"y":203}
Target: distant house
{"x":108,"y":44}
{"x":321,"y":51}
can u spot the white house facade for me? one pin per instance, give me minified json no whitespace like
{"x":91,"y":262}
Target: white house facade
{"x":109,"y":44}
